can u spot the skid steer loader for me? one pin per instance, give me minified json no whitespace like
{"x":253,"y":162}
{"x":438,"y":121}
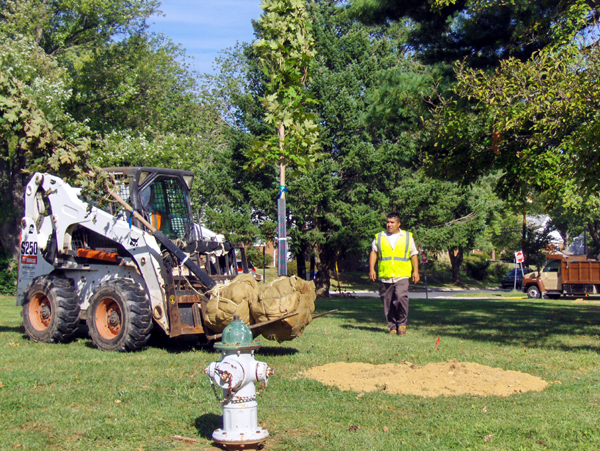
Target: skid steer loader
{"x":120,"y":271}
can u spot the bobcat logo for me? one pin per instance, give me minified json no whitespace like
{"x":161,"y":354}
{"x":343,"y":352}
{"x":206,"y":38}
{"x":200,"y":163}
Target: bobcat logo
{"x":133,"y":242}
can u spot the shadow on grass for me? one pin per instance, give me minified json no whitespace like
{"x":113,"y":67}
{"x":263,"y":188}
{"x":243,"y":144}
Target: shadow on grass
{"x":12,"y":329}
{"x":367,"y":328}
{"x":207,"y":423}
{"x":544,"y":323}
{"x":271,"y":351}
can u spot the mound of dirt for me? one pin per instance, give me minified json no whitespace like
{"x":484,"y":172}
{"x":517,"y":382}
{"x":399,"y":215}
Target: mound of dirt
{"x":435,"y":379}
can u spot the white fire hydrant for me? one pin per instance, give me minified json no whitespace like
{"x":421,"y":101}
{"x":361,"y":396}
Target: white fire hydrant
{"x":235,"y":374}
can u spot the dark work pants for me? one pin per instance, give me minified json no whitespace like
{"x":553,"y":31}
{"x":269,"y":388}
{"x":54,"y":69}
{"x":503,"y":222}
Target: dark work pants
{"x":395,"y":302}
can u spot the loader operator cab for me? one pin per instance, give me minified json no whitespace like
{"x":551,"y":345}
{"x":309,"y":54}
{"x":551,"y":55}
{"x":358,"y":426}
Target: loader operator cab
{"x":161,"y":196}
{"x":165,"y":203}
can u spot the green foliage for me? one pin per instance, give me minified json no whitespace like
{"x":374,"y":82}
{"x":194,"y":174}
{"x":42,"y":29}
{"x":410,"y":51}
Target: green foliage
{"x":497,"y":270}
{"x":8,"y":273}
{"x":371,"y":99}
{"x":536,"y":121}
{"x":479,"y":256}
{"x":524,"y":105}
{"x":66,"y":25}
{"x":84,"y":84}
{"x":481,"y":33}
{"x":536,"y":245}
{"x":477,"y":268}
{"x":27,"y":134}
{"x":284,"y":51}
{"x":255,"y":256}
{"x":292,"y":268}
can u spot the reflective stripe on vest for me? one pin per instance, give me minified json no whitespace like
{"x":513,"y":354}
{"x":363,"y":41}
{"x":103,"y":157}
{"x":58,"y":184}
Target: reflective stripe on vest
{"x":393,"y":263}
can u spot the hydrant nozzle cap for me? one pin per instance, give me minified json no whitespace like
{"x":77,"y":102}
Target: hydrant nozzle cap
{"x":237,"y":336}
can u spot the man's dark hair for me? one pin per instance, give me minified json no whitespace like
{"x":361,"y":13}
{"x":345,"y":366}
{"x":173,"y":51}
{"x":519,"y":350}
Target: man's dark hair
{"x":394,"y":215}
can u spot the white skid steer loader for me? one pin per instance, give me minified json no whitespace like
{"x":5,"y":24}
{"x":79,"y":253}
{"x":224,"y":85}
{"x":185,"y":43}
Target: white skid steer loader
{"x":119,"y":271}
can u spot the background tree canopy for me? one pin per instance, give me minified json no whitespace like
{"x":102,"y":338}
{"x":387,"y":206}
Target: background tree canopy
{"x":85,"y":82}
{"x":454,"y":113}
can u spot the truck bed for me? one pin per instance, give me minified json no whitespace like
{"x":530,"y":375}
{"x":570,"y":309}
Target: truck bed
{"x":580,"y":272}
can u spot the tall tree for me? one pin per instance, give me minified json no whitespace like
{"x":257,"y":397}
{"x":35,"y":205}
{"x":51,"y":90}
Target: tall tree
{"x":369,"y":160}
{"x":482,"y":33}
{"x":86,"y":82}
{"x":285,"y":49}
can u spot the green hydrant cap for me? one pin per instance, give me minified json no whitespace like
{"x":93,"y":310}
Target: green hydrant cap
{"x":237,"y":337}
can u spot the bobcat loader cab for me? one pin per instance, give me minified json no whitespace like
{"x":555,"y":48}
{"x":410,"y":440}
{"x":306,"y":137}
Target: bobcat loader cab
{"x":106,"y":267}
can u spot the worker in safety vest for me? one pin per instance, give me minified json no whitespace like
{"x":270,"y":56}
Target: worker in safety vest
{"x":148,"y":204}
{"x":397,"y":259}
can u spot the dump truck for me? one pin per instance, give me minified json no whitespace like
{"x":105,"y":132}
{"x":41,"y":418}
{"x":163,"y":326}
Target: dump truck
{"x":139,"y":262}
{"x":564,"y":275}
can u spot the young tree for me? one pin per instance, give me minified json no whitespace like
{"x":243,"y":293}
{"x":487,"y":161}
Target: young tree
{"x":285,"y":51}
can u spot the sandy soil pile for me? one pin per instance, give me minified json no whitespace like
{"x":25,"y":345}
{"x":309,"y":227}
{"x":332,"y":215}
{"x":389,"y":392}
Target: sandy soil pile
{"x":435,"y":379}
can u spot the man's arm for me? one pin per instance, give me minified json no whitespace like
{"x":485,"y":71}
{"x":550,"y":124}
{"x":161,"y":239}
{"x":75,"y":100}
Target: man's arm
{"x":372,"y":261}
{"x":415,"y":264}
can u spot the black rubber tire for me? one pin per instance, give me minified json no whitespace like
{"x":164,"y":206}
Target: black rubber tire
{"x":533,"y":292}
{"x":120,"y":317}
{"x":51,"y":309}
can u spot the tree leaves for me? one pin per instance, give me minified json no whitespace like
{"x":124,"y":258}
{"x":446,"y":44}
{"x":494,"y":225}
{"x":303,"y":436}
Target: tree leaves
{"x":284,"y":51}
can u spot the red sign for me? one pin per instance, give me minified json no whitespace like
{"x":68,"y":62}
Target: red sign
{"x":29,"y":259}
{"x":519,"y":257}
{"x":423,"y":257}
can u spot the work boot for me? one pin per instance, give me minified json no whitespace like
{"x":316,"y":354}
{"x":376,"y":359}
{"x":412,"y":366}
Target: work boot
{"x":393,"y":331}
{"x":401,"y":330}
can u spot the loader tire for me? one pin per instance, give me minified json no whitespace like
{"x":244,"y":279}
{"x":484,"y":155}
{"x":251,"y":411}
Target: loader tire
{"x":50,"y":309}
{"x":120,"y":317}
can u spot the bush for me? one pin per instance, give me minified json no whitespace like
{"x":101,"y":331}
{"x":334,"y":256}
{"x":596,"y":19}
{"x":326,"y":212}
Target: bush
{"x":497,"y":271}
{"x":255,"y":256}
{"x":478,"y":256}
{"x":477,"y":268}
{"x":8,"y":274}
{"x":292,"y":268}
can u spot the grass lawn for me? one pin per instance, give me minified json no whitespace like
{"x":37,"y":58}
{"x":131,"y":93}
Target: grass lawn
{"x":75,"y":397}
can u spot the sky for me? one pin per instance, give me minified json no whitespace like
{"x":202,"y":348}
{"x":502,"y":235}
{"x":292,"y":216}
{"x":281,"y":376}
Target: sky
{"x":205,"y":27}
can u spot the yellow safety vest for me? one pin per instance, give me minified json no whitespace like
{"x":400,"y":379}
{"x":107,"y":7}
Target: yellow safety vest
{"x":156,"y":220}
{"x":393,"y":263}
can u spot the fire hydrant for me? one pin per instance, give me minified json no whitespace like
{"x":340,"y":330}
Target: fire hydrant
{"x":235,"y":374}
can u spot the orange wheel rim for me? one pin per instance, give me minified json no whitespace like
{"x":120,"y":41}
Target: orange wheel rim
{"x":108,"y":318}
{"x":40,"y":312}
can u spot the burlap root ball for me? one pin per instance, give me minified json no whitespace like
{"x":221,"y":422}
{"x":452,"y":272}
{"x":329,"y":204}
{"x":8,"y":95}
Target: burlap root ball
{"x":280,"y":297}
{"x":235,"y":298}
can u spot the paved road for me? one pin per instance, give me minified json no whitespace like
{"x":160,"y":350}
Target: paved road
{"x":469,"y":294}
{"x":434,"y":293}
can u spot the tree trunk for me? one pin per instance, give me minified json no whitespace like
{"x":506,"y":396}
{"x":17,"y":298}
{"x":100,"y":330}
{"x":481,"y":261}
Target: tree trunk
{"x":301,"y":259}
{"x":323,"y":267}
{"x":594,"y":229}
{"x":12,"y":183}
{"x":456,"y":259}
{"x":281,"y":209}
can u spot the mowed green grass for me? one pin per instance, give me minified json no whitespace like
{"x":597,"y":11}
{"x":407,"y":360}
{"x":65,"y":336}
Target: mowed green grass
{"x":75,"y":397}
